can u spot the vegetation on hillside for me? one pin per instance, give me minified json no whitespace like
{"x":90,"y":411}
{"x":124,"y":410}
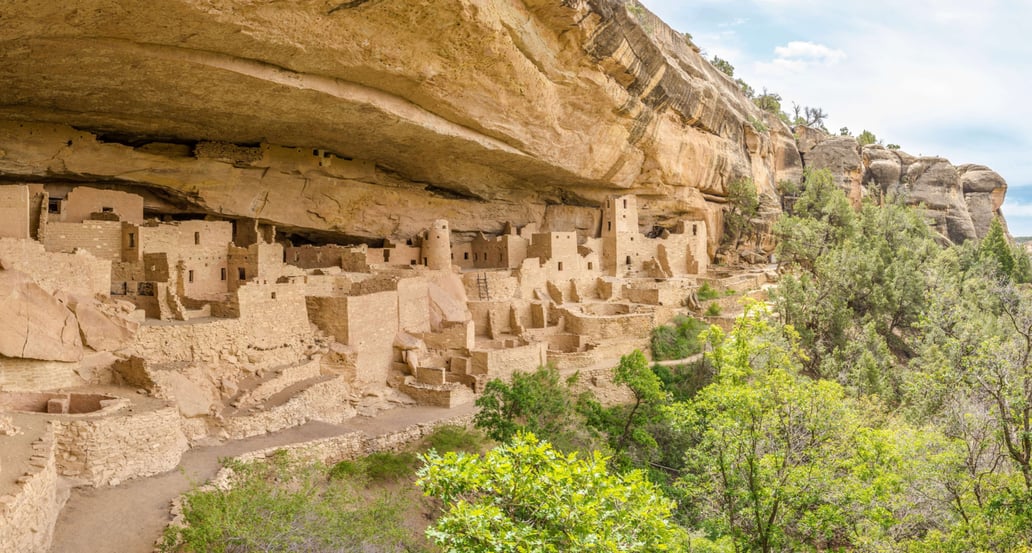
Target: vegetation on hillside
{"x":880,"y":401}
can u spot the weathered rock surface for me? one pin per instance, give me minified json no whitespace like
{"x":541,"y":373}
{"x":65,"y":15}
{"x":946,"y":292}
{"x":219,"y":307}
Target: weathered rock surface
{"x":391,"y":113}
{"x":104,"y":326}
{"x":35,"y":325}
{"x":960,"y":202}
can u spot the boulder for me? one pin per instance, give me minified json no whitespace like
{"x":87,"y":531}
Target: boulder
{"x":35,"y":325}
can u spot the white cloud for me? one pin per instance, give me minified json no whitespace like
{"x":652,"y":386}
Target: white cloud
{"x":1017,"y":209}
{"x":809,"y":52}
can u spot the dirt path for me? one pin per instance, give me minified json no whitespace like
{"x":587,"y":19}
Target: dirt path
{"x":129,"y":518}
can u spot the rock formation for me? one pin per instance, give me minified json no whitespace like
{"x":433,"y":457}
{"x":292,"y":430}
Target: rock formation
{"x":371,"y":119}
{"x":960,"y":202}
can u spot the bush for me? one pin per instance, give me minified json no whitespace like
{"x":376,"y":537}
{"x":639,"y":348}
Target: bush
{"x":677,"y":341}
{"x":454,"y":438}
{"x":377,"y":467}
{"x":282,"y":504}
{"x":713,"y":310}
{"x":707,"y":292}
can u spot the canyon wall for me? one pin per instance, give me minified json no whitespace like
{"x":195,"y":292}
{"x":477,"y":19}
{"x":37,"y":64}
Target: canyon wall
{"x":369,"y":119}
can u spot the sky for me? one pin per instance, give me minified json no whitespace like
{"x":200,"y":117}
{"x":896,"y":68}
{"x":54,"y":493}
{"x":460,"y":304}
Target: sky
{"x":938,"y":77}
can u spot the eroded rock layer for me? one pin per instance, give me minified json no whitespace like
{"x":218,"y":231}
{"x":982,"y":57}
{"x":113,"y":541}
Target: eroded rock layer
{"x":398,"y":112}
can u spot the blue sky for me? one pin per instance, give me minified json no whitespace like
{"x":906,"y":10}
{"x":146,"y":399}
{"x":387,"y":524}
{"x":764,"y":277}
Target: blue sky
{"x":938,"y":77}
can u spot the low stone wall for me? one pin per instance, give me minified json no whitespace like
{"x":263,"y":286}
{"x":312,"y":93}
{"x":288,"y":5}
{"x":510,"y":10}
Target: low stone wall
{"x":104,"y":451}
{"x":28,"y":515}
{"x":501,"y":363}
{"x":324,"y":401}
{"x":607,"y":327}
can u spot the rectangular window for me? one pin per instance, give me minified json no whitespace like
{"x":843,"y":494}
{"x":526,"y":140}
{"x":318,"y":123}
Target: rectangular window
{"x":465,"y":255}
{"x":107,"y":210}
{"x":242,"y":274}
{"x":560,"y":265}
{"x":591,"y":265}
{"x":223,"y":273}
{"x":196,"y":238}
{"x":695,"y":230}
{"x":189,"y":275}
{"x":625,"y":204}
{"x":132,"y":239}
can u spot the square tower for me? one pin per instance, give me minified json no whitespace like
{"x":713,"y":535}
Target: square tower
{"x":620,"y":236}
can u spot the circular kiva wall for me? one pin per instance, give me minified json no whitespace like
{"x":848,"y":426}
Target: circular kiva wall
{"x":57,"y":403}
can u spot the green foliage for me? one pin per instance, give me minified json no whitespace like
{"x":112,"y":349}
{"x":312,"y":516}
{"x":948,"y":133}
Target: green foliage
{"x":539,"y":402}
{"x":892,"y":146}
{"x":679,"y":340}
{"x":724,"y":66}
{"x":768,"y":101}
{"x":707,"y":292}
{"x":995,"y":249}
{"x":743,"y":204}
{"x":377,"y":467}
{"x":714,"y":310}
{"x":844,"y":131}
{"x":452,"y":437}
{"x":758,"y":125}
{"x":745,"y":88}
{"x":283,"y":505}
{"x":527,"y":496}
{"x":866,"y":137}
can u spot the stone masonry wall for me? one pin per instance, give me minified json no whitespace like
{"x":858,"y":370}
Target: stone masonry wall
{"x":14,"y":211}
{"x":27,"y":517}
{"x":79,"y":273}
{"x":103,"y":239}
{"x":83,"y":201}
{"x":105,"y":451}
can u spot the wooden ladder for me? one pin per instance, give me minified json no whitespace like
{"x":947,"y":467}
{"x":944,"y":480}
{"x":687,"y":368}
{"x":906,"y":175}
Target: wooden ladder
{"x":482,"y":287}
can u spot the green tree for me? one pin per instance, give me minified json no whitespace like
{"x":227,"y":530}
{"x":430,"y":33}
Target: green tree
{"x":995,"y":248}
{"x":866,"y":137}
{"x":539,"y":402}
{"x":743,"y":204}
{"x":724,"y":66}
{"x":526,"y":496}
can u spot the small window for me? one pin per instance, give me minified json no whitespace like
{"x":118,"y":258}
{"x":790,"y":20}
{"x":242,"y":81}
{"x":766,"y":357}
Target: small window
{"x":425,"y":261}
{"x":107,"y":210}
{"x":189,"y":275}
{"x":315,"y":153}
{"x":632,"y":239}
{"x":273,"y":295}
{"x":591,"y":266}
{"x":132,"y":239}
{"x":609,"y":225}
{"x":54,"y":205}
{"x":695,"y":230}
{"x":628,"y":260}
{"x":412,"y":262}
{"x":560,"y":265}
{"x":196,"y":238}
{"x":465,"y":255}
{"x":242,"y":273}
{"x":386,"y":255}
{"x":222,"y":272}
{"x":625,"y":203}
{"x":499,"y":256}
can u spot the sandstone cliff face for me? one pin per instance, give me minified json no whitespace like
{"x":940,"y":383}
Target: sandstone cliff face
{"x":960,"y":202}
{"x":373,"y":118}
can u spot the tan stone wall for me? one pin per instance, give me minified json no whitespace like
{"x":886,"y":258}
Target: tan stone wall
{"x":400,"y":254}
{"x":501,"y":285}
{"x":32,"y":375}
{"x":83,"y":201}
{"x":414,"y":305}
{"x":323,"y":401}
{"x":367,"y":323}
{"x":103,"y":239}
{"x":315,"y":257}
{"x":14,"y":211}
{"x":199,"y":247}
{"x":453,"y":335}
{"x":105,"y":451}
{"x":79,"y":273}
{"x":28,"y":515}
{"x":501,"y":363}
{"x":605,"y":327}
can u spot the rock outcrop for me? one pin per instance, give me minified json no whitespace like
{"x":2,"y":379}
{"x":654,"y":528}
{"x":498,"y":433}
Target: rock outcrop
{"x":371,"y":119}
{"x":35,"y":325}
{"x":960,"y":202}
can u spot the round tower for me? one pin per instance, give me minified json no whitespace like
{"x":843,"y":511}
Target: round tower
{"x":436,"y":248}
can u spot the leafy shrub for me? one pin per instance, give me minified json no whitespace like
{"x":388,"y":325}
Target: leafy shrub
{"x":454,"y":438}
{"x":282,"y":504}
{"x":677,"y":341}
{"x":713,"y":310}
{"x":377,"y":467}
{"x":707,"y":292}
